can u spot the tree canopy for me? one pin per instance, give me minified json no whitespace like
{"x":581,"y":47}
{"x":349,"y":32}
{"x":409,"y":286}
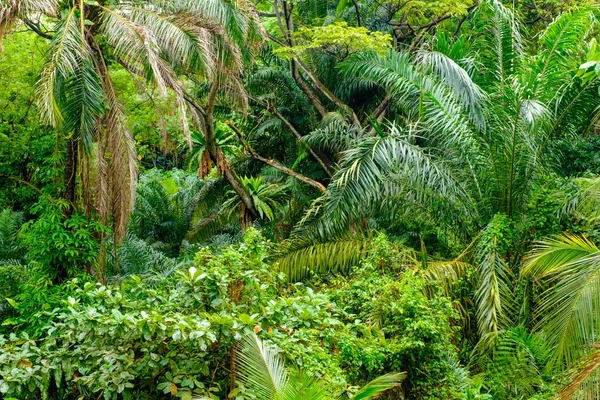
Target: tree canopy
{"x":299,"y":199}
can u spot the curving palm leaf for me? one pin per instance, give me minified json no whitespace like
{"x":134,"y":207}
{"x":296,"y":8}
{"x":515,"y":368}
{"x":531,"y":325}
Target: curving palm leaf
{"x":569,"y":266}
{"x":260,"y":368}
{"x":300,"y":259}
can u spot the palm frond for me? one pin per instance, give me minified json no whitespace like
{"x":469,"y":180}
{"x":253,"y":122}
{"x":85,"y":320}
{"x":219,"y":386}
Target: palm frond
{"x":306,"y":386}
{"x":493,"y":296}
{"x":584,"y":382}
{"x":433,"y":104}
{"x":446,"y":273}
{"x":502,"y":40}
{"x":299,"y":258}
{"x":68,"y":50}
{"x":260,"y":368}
{"x":563,"y":48}
{"x":118,"y":165}
{"x":13,"y":10}
{"x":379,"y":385}
{"x":570,"y":267}
{"x":376,"y":173}
{"x":471,"y":96}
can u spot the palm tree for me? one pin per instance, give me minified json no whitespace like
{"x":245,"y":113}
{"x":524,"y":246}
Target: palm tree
{"x":463,"y":151}
{"x":266,"y":197}
{"x":261,"y":370}
{"x":161,"y":41}
{"x":200,"y":156}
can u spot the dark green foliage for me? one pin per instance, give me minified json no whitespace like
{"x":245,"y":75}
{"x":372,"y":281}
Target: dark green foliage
{"x":62,"y":245}
{"x":172,"y":335}
{"x":425,"y":172}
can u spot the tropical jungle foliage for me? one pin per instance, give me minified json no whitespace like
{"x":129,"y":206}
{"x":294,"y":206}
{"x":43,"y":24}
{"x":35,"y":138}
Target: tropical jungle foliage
{"x":299,"y":199}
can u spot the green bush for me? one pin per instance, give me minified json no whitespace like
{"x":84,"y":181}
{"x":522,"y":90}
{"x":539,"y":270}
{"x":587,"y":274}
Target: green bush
{"x":175,"y":335}
{"x":64,"y":246}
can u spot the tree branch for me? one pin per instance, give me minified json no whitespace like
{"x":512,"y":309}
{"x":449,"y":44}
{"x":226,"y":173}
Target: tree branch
{"x":299,"y":137}
{"x":274,"y":163}
{"x":35,"y":27}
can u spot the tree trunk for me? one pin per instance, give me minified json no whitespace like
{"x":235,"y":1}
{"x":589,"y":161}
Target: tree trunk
{"x":71,"y":174}
{"x":217,"y":155}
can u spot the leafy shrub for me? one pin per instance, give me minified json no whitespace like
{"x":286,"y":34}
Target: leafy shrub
{"x":176,"y":335}
{"x":64,"y":246}
{"x":397,"y":328}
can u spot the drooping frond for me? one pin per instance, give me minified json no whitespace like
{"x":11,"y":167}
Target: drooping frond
{"x":13,"y":10}
{"x":186,"y":42}
{"x":137,"y":257}
{"x":493,"y":296}
{"x":471,"y":96}
{"x":138,"y":49}
{"x":117,"y":169}
{"x":237,"y":17}
{"x":427,"y":100}
{"x":569,"y":266}
{"x":83,"y":103}
{"x":334,"y":134}
{"x":443,"y":274}
{"x":68,"y":52}
{"x":299,"y":258}
{"x":380,"y":173}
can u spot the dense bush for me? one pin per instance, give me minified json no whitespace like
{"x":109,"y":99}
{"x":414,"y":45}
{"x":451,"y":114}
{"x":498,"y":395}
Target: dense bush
{"x":176,"y":335}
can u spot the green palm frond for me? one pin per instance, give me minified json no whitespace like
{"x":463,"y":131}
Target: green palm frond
{"x":378,"y":172}
{"x":493,"y":296}
{"x":137,"y":257}
{"x":502,"y":42}
{"x":334,"y":134}
{"x":585,"y":201}
{"x":185,"y":42}
{"x":266,"y":197}
{"x":470,"y":95}
{"x":563,"y":49}
{"x":519,"y":361}
{"x":299,"y":258}
{"x":574,"y":108}
{"x":569,"y":267}
{"x":379,"y":385}
{"x":427,"y":100}
{"x":68,"y":52}
{"x":304,"y":386}
{"x":236,"y":17}
{"x":83,"y":104}
{"x":260,"y":368}
{"x":446,"y":273}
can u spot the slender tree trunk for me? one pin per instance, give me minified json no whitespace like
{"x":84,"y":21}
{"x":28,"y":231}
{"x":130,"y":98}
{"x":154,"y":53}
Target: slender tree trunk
{"x":71,"y":158}
{"x":219,"y":159}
